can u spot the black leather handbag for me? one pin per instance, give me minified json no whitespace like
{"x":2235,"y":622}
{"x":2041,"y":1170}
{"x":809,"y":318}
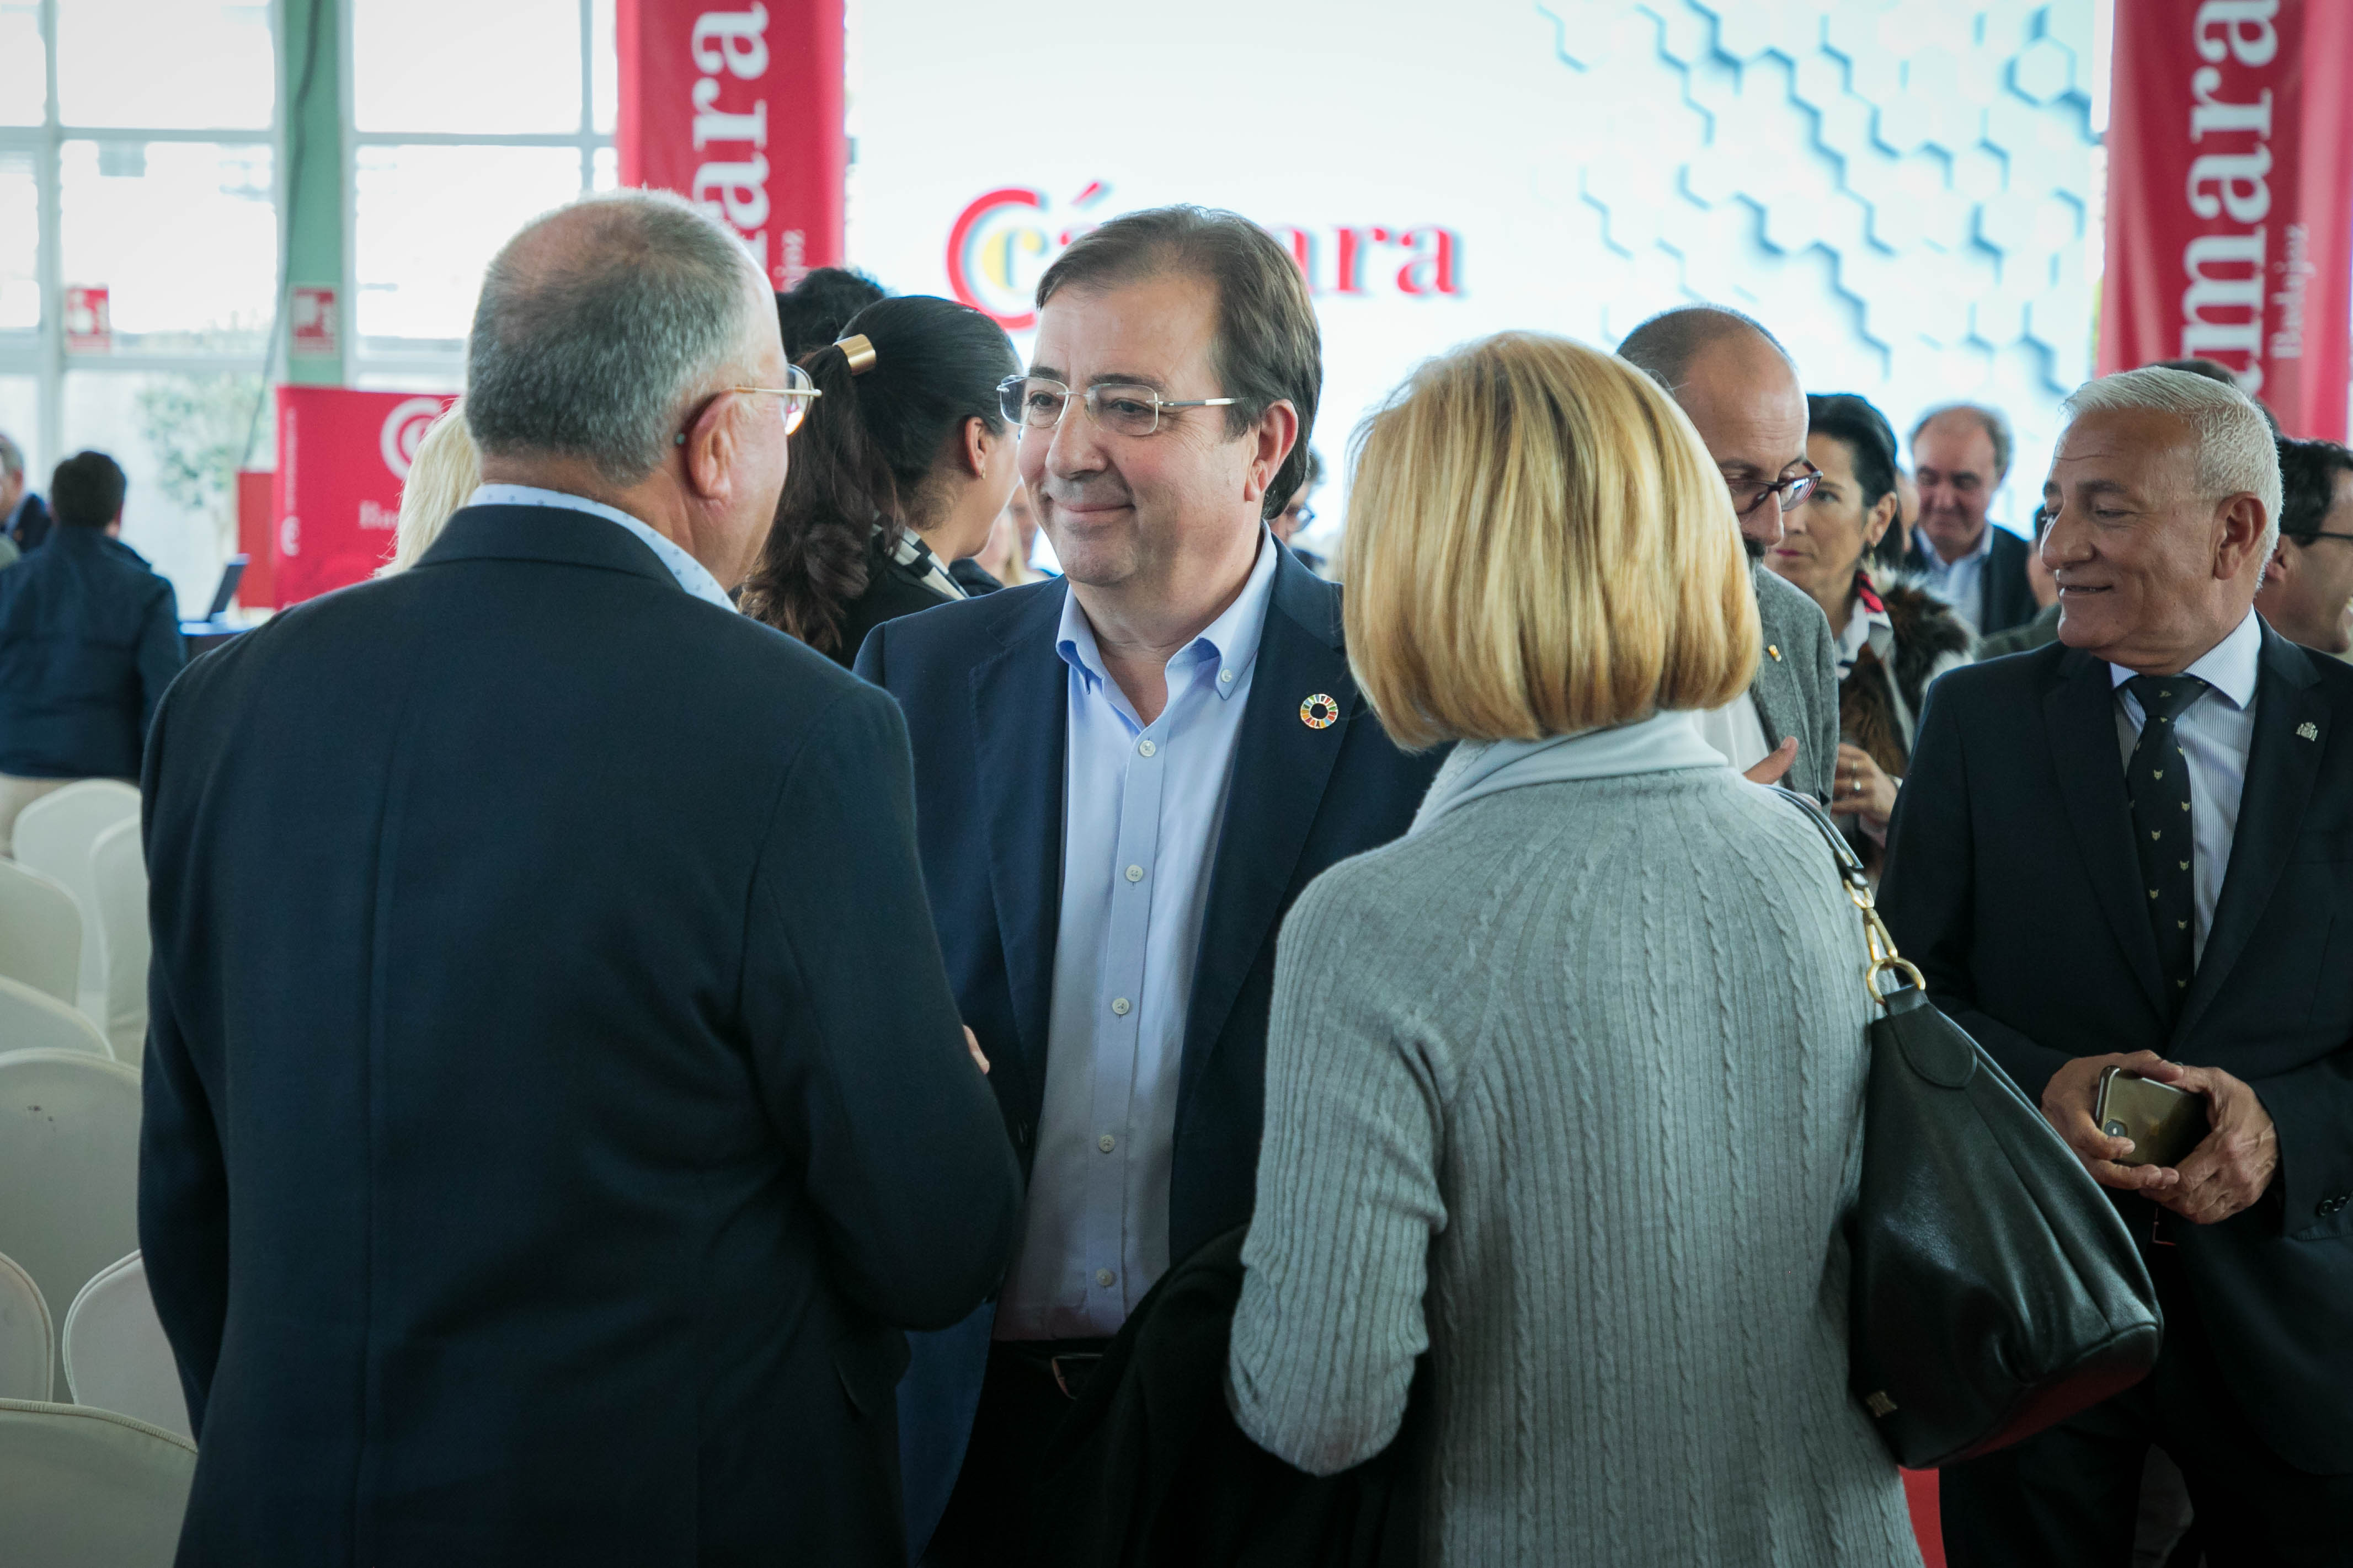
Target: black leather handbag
{"x":1995,"y":1290}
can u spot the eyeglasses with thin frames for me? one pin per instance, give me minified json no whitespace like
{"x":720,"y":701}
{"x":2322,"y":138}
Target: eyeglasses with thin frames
{"x":1793,"y":491}
{"x":796,"y":391}
{"x":1034,"y":403}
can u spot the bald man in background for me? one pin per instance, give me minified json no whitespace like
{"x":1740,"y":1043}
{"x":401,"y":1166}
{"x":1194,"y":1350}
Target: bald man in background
{"x":1740,"y":390}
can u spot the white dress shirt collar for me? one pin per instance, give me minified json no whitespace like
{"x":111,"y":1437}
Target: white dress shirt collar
{"x":2230,"y":666}
{"x":1231,"y":639}
{"x":689,"y":573}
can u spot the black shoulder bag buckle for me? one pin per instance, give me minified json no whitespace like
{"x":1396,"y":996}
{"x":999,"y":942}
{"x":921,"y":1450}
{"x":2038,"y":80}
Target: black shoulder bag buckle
{"x":1996,"y":1290}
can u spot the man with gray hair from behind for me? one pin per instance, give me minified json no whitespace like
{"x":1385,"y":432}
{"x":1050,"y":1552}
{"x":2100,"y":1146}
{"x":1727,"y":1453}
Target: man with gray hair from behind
{"x":2124,"y":857}
{"x":533,"y":1168}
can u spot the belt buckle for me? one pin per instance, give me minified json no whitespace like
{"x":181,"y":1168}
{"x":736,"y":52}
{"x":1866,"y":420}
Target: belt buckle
{"x":1081,"y":1363}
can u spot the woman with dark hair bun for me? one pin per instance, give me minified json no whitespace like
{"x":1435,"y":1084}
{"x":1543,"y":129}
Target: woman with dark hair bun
{"x":1894,"y":638}
{"x":899,"y":470}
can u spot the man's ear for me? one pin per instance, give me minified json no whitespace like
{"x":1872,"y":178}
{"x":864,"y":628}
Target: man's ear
{"x":2240,"y":530}
{"x":1276,"y":433}
{"x":709,"y":446}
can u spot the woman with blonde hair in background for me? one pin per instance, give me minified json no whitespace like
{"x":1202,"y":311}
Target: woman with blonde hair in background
{"x":444,"y":471}
{"x":1565,"y":1087}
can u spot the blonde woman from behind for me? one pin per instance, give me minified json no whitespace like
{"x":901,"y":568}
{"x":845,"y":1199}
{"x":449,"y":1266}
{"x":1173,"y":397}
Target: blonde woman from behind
{"x":443,"y":472}
{"x":1565,"y":1087}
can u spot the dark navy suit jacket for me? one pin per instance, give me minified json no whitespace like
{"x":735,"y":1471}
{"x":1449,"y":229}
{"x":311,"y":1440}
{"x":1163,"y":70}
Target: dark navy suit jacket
{"x":90,"y":637}
{"x":556,"y":1106}
{"x":2012,"y":882}
{"x":986,"y":696}
{"x":2005,"y":598}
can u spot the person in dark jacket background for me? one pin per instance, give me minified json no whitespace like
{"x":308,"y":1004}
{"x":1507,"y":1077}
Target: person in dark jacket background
{"x":902,"y":467}
{"x":24,"y":520}
{"x":90,"y":637}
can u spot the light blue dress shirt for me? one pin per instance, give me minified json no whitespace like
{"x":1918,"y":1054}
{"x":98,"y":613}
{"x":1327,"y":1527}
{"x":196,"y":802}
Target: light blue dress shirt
{"x":1141,"y":807}
{"x":1958,"y":582}
{"x":2215,"y":731}
{"x":689,"y":573}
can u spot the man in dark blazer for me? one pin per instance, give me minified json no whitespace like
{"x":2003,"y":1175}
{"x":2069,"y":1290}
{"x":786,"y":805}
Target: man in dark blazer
{"x":556,"y":1106}
{"x":24,"y":520}
{"x":1124,"y":779}
{"x":89,"y":639}
{"x":1960,"y":456}
{"x":1739,"y":388}
{"x":2134,"y":849}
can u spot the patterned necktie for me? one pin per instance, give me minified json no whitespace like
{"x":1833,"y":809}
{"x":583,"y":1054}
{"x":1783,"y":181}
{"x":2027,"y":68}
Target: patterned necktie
{"x":2158,"y":782}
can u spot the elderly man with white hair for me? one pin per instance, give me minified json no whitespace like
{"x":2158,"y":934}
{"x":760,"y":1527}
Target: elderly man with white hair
{"x":2134,"y":849}
{"x":556,"y":1107}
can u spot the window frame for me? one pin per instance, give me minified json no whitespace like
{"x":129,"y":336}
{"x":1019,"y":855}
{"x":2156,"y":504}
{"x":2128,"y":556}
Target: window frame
{"x":444,"y":365}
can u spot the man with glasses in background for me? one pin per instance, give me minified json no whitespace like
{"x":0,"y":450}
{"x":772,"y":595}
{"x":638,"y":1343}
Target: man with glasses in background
{"x":1124,"y":779}
{"x":2308,"y":594}
{"x":1737,"y":386}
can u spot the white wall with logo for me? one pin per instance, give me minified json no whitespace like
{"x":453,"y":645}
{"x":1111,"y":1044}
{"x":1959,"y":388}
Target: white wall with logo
{"x":1905,"y":191}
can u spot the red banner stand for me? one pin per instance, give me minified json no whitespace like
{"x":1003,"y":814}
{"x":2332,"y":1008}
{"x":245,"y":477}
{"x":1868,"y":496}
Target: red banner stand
{"x":2230,"y":232}
{"x":740,"y":110}
{"x":342,"y":458}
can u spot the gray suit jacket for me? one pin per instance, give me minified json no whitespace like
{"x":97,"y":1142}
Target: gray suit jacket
{"x":1796,"y":687}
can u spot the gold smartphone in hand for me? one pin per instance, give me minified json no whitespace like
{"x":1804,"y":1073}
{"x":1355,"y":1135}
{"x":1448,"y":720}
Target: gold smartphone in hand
{"x":2164,"y":1122}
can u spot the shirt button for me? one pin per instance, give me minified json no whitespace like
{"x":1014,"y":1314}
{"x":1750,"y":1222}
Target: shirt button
{"x":1225,"y":678}
{"x":1120,"y":1004}
{"x":1146,"y":748}
{"x":1106,"y":1143}
{"x":1103,"y":1277}
{"x":1135,"y":873}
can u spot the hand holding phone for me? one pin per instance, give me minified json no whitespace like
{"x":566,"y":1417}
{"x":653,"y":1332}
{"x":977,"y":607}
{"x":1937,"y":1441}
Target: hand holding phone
{"x":2165,"y":1123}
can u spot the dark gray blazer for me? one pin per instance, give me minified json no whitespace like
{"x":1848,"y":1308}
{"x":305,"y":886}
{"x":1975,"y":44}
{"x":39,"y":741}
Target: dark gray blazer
{"x":1796,"y":687}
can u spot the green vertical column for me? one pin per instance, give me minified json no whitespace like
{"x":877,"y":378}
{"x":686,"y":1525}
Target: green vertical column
{"x":312,"y":175}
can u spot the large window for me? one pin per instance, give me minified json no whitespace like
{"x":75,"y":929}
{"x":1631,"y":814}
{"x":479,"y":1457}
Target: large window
{"x":139,"y":254}
{"x":466,"y":120}
{"x":142,"y":219}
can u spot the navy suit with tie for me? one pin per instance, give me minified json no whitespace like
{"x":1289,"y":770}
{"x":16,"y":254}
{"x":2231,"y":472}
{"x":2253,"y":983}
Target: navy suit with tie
{"x":2013,"y":883}
{"x":985,"y":694}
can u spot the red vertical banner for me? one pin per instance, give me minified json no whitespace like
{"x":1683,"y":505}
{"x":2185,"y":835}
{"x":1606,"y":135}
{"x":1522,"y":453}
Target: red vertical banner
{"x":2230,"y":224}
{"x":737,"y":106}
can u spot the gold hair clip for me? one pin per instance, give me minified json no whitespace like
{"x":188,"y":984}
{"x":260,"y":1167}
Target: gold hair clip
{"x":859,"y":352}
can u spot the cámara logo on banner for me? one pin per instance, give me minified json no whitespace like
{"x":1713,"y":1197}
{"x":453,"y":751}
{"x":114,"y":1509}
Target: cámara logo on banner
{"x":1004,"y":240}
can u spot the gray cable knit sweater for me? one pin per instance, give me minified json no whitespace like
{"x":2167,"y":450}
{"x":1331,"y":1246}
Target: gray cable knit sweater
{"x":1566,"y":1087}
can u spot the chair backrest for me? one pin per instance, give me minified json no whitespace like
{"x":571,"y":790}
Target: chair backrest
{"x":89,"y":1489}
{"x":34,"y":1020}
{"x":116,"y":1357}
{"x":118,"y":870}
{"x":40,"y":932}
{"x":53,"y":837}
{"x":69,"y":1166}
{"x":27,"y":1335}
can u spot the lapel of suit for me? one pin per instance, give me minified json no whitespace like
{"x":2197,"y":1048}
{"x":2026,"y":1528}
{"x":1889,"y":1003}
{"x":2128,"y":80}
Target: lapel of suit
{"x":1281,"y":768}
{"x":1021,"y":736}
{"x":2281,"y":768}
{"x":2079,"y":718}
{"x":1774,"y":689}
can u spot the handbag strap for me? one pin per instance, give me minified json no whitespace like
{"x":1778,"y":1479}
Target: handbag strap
{"x":1877,"y":939}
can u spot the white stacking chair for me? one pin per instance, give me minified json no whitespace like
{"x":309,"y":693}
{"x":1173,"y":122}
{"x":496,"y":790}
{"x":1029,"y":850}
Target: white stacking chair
{"x":35,"y":1020}
{"x":118,"y":871}
{"x":69,"y":1166}
{"x":89,"y":1489}
{"x":53,"y":837}
{"x":116,"y":1357}
{"x":40,"y":932}
{"x":26,"y":1337}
